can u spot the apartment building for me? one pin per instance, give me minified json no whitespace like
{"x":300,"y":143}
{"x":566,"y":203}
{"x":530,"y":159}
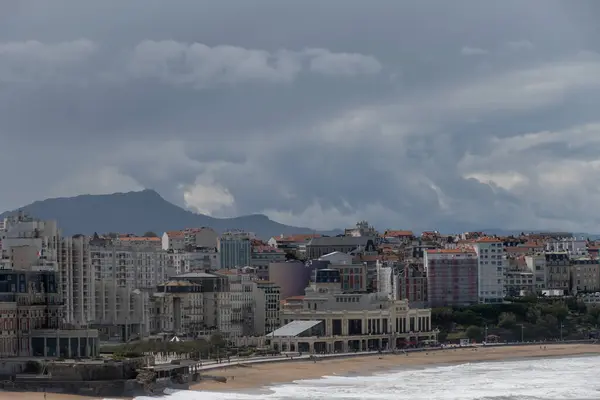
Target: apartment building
{"x":354,"y":275}
{"x":77,"y":280}
{"x":28,"y":241}
{"x":268,"y":306}
{"x":584,"y":274}
{"x":536,"y":264}
{"x":204,"y":258}
{"x":320,"y":246}
{"x":291,"y":276}
{"x":452,"y":277}
{"x":294,"y":244}
{"x":125,"y":277}
{"x":235,"y":249}
{"x":173,"y":240}
{"x":196,"y":293}
{"x":558,"y":265}
{"x":491,"y":268}
{"x":410,"y":283}
{"x":200,"y":238}
{"x":573,"y":246}
{"x":262,"y":256}
{"x":32,"y":310}
{"x":328,"y":320}
{"x":242,"y":293}
{"x":145,"y":242}
{"x":519,"y":282}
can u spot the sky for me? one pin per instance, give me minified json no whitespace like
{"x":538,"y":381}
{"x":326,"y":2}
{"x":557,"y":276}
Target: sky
{"x":435,"y":114}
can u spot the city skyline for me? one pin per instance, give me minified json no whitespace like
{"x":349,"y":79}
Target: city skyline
{"x":427,"y":115}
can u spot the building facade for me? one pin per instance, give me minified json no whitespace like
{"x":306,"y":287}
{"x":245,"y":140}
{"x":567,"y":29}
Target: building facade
{"x":584,"y":275}
{"x":235,"y":249}
{"x":452,"y":277}
{"x":491,"y":269}
{"x":342,"y":322}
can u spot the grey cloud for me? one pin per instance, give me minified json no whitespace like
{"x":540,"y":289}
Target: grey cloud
{"x":473,"y":51}
{"x":29,"y":61}
{"x":315,"y":113}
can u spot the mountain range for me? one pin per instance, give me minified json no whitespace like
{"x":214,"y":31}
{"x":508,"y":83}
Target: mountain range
{"x":143,"y":211}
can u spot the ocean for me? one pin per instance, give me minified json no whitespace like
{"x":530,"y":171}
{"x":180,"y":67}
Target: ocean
{"x":573,"y":378}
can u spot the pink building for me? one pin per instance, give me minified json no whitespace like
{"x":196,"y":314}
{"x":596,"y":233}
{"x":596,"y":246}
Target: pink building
{"x":452,"y":276}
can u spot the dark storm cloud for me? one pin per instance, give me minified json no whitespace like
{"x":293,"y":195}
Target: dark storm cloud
{"x":425,"y":114}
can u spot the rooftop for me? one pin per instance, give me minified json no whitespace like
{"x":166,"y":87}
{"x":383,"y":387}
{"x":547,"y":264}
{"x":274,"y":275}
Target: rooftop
{"x":194,"y":275}
{"x":294,"y":328}
{"x":398,"y":233}
{"x":175,"y":234}
{"x":450,"y":251}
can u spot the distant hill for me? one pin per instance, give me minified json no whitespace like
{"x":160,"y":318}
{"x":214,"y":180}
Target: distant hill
{"x":140,"y":212}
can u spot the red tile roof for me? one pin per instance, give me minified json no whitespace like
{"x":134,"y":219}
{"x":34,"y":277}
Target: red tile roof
{"x":398,"y":233}
{"x":174,"y":234}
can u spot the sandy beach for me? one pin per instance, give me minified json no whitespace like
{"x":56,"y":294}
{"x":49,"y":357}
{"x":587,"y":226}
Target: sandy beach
{"x":257,"y":376}
{"x":260,"y":375}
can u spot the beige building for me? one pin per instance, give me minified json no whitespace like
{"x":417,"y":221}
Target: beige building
{"x":193,"y":304}
{"x":585,"y":274}
{"x":242,"y":294}
{"x":330,"y":320}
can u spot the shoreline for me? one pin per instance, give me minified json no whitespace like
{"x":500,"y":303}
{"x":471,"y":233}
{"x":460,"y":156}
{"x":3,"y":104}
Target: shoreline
{"x":262,"y":376}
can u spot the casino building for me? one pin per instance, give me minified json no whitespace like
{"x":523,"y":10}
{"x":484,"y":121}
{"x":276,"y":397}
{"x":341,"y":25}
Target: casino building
{"x":327,"y":320}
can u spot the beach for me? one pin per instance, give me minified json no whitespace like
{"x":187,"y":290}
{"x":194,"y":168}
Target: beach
{"x":256,"y":376}
{"x":260,"y":375}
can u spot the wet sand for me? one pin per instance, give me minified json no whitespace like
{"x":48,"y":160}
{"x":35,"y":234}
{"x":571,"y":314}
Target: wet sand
{"x":261,"y":375}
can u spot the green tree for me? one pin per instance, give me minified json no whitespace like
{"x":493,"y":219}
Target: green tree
{"x":474,"y":333}
{"x":150,"y":234}
{"x":507,"y":320}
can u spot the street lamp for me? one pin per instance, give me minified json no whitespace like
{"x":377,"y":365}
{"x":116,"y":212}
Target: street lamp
{"x":485,"y":335}
{"x":522,"y":332}
{"x":561,"y":331}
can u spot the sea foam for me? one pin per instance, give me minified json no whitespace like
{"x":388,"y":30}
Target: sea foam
{"x":532,"y":379}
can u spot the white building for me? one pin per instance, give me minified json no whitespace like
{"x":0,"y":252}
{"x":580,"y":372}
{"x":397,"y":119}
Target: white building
{"x":77,"y":280}
{"x":29,"y":241}
{"x":573,"y":246}
{"x":490,"y":254}
{"x":385,"y":284}
{"x":536,"y":264}
{"x":327,"y":320}
{"x":173,"y":240}
{"x":125,"y":277}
